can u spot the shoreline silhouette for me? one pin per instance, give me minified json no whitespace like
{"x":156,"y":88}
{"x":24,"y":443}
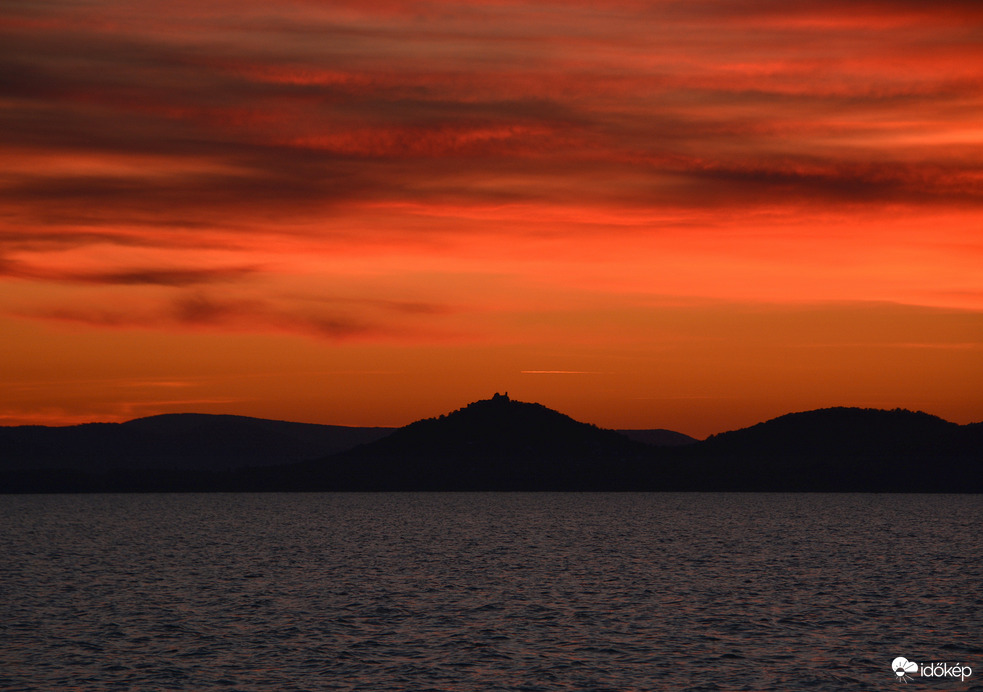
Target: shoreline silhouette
{"x":496,"y":444}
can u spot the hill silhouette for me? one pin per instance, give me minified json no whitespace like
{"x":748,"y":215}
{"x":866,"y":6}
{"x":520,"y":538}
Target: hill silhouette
{"x":493,"y":444}
{"x":496,"y":444}
{"x":659,"y":437}
{"x":840,"y":449}
{"x":191,"y":441}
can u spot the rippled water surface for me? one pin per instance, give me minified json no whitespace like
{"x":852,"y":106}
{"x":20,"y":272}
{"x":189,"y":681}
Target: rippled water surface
{"x":495,"y":591}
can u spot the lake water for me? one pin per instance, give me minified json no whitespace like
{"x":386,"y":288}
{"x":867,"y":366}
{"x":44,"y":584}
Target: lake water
{"x":488,"y":591}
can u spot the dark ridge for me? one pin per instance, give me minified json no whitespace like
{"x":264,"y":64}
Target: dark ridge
{"x":494,"y":444}
{"x":175,"y":441}
{"x":832,"y":430}
{"x":659,"y":437}
{"x":847,"y":449}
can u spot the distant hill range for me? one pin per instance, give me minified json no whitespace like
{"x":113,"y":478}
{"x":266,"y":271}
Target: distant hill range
{"x":659,"y":437}
{"x":176,"y":441}
{"x":497,"y":444}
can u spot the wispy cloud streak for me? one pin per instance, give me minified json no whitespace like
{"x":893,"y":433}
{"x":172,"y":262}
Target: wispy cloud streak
{"x":315,"y":107}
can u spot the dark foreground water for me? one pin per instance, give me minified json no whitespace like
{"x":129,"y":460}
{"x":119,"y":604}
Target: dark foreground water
{"x":494,"y":591}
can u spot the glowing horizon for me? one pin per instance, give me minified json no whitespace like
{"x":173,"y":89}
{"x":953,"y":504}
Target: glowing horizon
{"x":693,"y":216}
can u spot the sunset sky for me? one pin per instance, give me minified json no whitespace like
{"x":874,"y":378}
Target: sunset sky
{"x":693,"y":215}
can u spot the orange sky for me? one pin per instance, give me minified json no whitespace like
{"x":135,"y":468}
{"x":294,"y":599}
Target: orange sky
{"x":694,"y":215}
